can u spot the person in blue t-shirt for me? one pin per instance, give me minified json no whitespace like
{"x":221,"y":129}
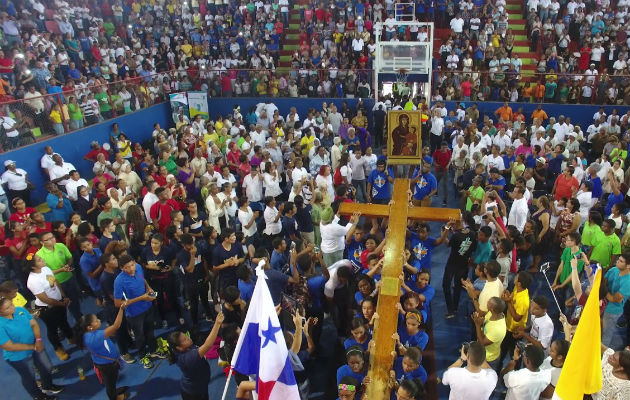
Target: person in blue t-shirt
{"x":379,"y":183}
{"x":366,"y":287}
{"x":104,"y":352}
{"x":355,"y":246}
{"x":359,"y":335}
{"x":422,"y":244}
{"x":425,"y":185}
{"x":409,"y":367}
{"x":130,"y":286}
{"x":355,"y":365}
{"x":192,"y":361}
{"x":90,"y":265}
{"x":411,"y":334}
{"x":495,"y":182}
{"x":348,"y":388}
{"x":245,"y":282}
{"x":616,"y":195}
{"x":420,"y":284}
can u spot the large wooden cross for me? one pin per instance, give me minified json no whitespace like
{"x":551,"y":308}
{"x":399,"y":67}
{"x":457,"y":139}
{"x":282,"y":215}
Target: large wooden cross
{"x":398,"y":211}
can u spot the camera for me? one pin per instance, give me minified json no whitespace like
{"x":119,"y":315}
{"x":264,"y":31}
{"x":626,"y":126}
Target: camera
{"x":466,"y":347}
{"x":521,"y":346}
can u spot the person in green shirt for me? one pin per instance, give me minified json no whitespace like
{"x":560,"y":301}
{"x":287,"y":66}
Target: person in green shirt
{"x":591,"y":229}
{"x":562,"y":281}
{"x":168,"y":161}
{"x":606,"y":246}
{"x":109,"y":28}
{"x":59,"y":259}
{"x":474,"y":193}
{"x":563,"y":93}
{"x":115,"y":214}
{"x":77,"y":121}
{"x":104,"y":104}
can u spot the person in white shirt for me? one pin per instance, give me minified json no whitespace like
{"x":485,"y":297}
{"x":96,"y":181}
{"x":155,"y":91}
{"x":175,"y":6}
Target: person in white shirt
{"x":73,"y":185}
{"x":17,"y":182}
{"x":541,"y":330}
{"x":520,"y":210}
{"x":149,"y":199}
{"x":457,"y":24}
{"x":475,"y":381}
{"x":272,"y":216}
{"x":47,"y":160}
{"x":247,"y":218}
{"x":340,"y":273}
{"x":526,"y":383}
{"x":253,"y":184}
{"x":334,"y":235}
{"x":60,"y":171}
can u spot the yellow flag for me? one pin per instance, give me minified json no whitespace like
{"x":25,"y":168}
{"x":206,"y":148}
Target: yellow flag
{"x":582,"y":370}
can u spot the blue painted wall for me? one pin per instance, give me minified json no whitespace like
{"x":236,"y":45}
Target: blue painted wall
{"x":580,"y":114}
{"x":73,"y":146}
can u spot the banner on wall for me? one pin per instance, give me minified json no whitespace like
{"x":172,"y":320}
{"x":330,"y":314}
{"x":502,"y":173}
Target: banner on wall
{"x":179,"y":105}
{"x":198,"y":105}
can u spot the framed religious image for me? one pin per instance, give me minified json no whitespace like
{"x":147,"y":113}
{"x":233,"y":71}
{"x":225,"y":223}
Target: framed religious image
{"x":404,"y":137}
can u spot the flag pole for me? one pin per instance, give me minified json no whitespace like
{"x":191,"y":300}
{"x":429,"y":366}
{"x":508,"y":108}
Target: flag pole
{"x":227,"y":383}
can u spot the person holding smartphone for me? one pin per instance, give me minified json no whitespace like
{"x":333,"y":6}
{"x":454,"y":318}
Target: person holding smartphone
{"x":131,"y":287}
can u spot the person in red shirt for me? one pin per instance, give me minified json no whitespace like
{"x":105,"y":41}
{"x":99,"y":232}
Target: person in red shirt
{"x":92,"y":155}
{"x":566,"y":184}
{"x":161,"y":211}
{"x":39,"y":223}
{"x":441,"y":161}
{"x":466,"y":89}
{"x":21,"y":213}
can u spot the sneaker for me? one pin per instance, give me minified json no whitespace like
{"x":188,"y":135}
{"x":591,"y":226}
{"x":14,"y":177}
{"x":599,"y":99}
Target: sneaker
{"x":449,"y":315}
{"x":61,"y":354}
{"x":622,"y":324}
{"x":128,"y":358}
{"x":164,"y":324}
{"x":53,"y":389}
{"x":146,"y":362}
{"x":158,"y":354}
{"x":162,"y":346}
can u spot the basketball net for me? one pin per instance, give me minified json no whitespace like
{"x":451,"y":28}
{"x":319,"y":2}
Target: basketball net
{"x":401,"y":82}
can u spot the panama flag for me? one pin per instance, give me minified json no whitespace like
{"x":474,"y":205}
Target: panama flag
{"x":261,"y":349}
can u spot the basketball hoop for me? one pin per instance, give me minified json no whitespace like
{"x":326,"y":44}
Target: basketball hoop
{"x":401,"y":77}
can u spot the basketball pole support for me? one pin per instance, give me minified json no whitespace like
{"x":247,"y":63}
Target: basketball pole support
{"x":378,"y":58}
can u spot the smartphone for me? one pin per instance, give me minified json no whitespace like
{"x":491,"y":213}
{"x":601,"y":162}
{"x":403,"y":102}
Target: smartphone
{"x":288,"y":303}
{"x":293,"y":245}
{"x":153,"y":294}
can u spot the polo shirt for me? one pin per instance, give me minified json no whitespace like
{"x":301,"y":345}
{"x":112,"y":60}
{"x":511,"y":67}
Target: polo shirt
{"x":521,"y":306}
{"x":589,"y":233}
{"x":494,"y":331}
{"x":56,"y":259}
{"x":131,"y":287}
{"x":195,"y":370}
{"x":475,"y":194}
{"x":604,"y":246}
{"x":102,"y":349}
{"x":88,"y":263}
{"x":17,"y":330}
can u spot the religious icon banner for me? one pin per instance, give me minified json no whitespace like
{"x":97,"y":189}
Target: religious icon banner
{"x":404,"y":137}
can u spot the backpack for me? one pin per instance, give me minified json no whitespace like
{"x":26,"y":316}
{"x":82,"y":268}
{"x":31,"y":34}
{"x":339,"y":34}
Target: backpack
{"x":337,"y":177}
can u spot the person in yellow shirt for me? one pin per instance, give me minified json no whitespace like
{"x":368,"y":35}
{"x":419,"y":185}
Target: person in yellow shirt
{"x":337,"y":36}
{"x":261,"y":88}
{"x":491,"y":330}
{"x":517,"y":311}
{"x":307,"y":141}
{"x":187,"y":48}
{"x":9,"y":290}
{"x":359,"y":121}
{"x":219,"y":124}
{"x":136,"y":7}
{"x":55,"y":118}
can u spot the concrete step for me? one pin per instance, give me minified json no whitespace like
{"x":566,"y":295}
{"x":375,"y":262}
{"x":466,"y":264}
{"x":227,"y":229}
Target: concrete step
{"x":514,"y":8}
{"x":291,"y":47}
{"x":293,"y":36}
{"x":521,"y":37}
{"x":521,"y":49}
{"x":517,"y":27}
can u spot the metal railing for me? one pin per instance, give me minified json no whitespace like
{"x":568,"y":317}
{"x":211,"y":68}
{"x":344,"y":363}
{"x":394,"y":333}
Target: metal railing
{"x":75,"y":106}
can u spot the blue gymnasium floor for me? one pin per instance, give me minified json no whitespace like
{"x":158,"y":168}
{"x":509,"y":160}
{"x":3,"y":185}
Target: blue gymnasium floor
{"x":162,"y":382}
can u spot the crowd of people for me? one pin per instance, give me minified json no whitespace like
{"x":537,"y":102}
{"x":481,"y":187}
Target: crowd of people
{"x":167,"y":235}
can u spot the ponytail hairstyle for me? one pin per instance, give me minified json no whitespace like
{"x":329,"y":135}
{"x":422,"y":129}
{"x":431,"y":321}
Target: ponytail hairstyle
{"x":173,"y":342}
{"x":414,"y":388}
{"x":81,"y":328}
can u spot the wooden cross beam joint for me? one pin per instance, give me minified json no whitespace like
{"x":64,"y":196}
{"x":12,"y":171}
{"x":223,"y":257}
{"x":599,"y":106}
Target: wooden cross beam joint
{"x":398,"y":211}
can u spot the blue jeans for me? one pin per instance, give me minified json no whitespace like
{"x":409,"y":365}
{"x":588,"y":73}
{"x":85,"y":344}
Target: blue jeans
{"x":610,"y":331}
{"x":26,"y":369}
{"x":359,"y":185}
{"x":59,"y":129}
